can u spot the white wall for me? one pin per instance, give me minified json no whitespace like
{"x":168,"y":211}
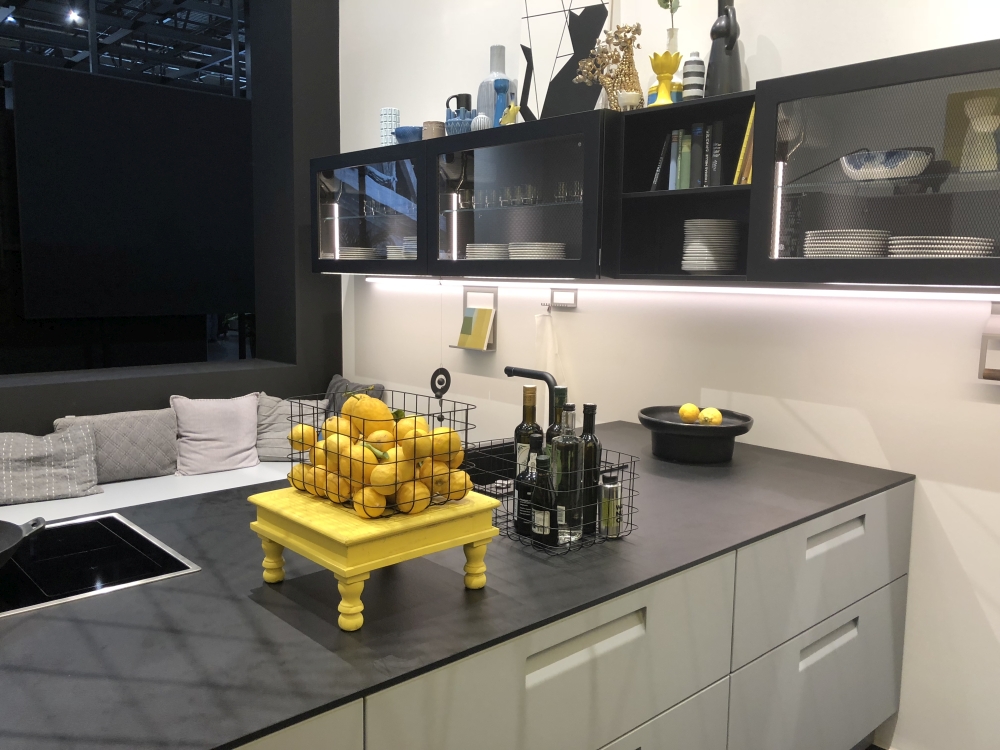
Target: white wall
{"x":885,"y":382}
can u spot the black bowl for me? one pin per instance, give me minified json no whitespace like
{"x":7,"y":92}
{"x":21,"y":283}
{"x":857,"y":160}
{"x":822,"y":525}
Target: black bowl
{"x":674,"y":440}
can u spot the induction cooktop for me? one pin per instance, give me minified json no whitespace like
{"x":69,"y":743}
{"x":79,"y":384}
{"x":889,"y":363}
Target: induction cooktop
{"x":84,"y":557}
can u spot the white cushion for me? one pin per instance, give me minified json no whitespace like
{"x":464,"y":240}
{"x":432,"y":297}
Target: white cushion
{"x":215,"y":434}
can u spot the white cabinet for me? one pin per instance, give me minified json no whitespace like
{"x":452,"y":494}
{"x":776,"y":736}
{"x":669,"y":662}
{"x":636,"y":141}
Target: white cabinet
{"x":699,"y":723}
{"x":790,"y":581}
{"x":578,"y":683}
{"x":342,"y":728}
{"x":827,"y":688}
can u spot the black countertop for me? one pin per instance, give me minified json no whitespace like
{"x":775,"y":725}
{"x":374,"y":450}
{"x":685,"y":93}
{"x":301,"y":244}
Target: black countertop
{"x":216,"y":658}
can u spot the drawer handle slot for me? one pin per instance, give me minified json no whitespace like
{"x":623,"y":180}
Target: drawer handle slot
{"x":825,"y":541}
{"x":828,"y":644}
{"x":578,"y":650}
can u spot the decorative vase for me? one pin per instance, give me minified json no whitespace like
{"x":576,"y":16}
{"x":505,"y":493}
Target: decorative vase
{"x":486,"y":100}
{"x":625,"y":78}
{"x":481,"y":122}
{"x":664,"y":66}
{"x":725,"y":68}
{"x":979,"y":151}
{"x":672,"y":46}
{"x":694,"y":77}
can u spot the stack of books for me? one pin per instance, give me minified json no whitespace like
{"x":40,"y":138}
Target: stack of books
{"x":694,"y":159}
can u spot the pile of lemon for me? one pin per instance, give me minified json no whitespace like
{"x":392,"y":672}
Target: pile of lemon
{"x":691,"y":414}
{"x":376,"y":460}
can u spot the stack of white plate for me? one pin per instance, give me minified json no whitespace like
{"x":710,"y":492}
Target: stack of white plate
{"x":486,"y":251}
{"x":537,"y":250}
{"x":711,"y":246}
{"x":846,"y":244}
{"x":410,"y":247}
{"x":400,"y":252}
{"x":362,"y":253}
{"x":941,"y":247}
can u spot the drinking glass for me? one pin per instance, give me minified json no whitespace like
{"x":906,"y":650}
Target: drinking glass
{"x":577,"y":191}
{"x":530,"y":195}
{"x":560,"y":192}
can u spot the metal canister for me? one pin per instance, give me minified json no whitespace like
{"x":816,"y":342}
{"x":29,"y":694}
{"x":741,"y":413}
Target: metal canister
{"x":611,"y":506}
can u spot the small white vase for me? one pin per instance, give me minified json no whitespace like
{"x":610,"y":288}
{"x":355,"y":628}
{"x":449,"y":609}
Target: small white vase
{"x":672,"y":45}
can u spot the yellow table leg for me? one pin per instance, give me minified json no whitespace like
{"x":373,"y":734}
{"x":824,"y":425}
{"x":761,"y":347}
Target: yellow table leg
{"x":350,"y":601}
{"x":274,"y":563}
{"x":475,"y":568}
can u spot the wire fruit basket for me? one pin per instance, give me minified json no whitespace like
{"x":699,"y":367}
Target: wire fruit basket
{"x":492,"y":466}
{"x":399,"y":453}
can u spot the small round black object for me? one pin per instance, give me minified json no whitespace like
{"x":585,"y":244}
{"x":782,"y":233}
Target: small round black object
{"x":440,"y":382}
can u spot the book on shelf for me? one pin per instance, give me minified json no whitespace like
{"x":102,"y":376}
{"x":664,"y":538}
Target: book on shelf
{"x":684,"y":162}
{"x":743,"y":165}
{"x":675,"y":138}
{"x":706,"y":161}
{"x":715,"y":160}
{"x":748,"y":164}
{"x":697,"y":154}
{"x":659,"y":165}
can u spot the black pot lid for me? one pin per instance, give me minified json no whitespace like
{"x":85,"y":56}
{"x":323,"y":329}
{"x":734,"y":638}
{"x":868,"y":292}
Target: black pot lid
{"x":666,"y":419}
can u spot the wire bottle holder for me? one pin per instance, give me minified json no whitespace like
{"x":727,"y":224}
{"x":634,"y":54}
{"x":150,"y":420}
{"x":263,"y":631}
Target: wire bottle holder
{"x":397,"y":457}
{"x":492,"y":466}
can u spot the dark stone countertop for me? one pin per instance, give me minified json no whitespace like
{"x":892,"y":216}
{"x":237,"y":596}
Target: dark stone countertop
{"x":216,"y":658}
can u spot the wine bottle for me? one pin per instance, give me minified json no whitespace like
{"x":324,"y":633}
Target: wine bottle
{"x":524,"y":485}
{"x":528,"y":426}
{"x":559,"y":395}
{"x":591,"y":495}
{"x":544,"y":529}
{"x":567,"y":477}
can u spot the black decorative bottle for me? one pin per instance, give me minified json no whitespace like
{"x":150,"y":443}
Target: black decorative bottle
{"x":544,"y":522}
{"x":527,"y":428}
{"x":725,"y":67}
{"x":591,"y":494}
{"x":567,"y":477}
{"x":524,"y":485}
{"x":559,"y":395}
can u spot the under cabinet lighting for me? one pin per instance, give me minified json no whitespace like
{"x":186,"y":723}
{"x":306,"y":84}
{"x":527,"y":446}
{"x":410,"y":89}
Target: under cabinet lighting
{"x":930,"y":293}
{"x":74,"y":17}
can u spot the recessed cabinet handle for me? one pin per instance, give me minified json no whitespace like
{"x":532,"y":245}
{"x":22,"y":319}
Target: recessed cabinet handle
{"x":825,"y":541}
{"x":828,"y":644}
{"x":578,"y":650}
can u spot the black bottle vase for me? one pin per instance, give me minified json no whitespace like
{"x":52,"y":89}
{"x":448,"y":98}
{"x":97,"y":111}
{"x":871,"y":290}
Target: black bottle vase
{"x":725,"y":68}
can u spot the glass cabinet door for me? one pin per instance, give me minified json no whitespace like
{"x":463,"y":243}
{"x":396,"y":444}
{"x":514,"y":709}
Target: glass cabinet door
{"x":523,"y":202}
{"x":895,"y":178}
{"x":367,"y":213}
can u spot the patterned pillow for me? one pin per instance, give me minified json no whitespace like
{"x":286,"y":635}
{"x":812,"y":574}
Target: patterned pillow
{"x":215,"y":434}
{"x":47,"y":468}
{"x":131,"y":444}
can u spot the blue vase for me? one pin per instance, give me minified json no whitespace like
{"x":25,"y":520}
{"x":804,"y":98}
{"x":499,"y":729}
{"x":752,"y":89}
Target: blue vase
{"x":458,"y":121}
{"x":501,"y":86}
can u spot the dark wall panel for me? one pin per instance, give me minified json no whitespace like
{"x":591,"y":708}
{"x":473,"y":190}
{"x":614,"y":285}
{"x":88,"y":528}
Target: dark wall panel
{"x":134,"y":198}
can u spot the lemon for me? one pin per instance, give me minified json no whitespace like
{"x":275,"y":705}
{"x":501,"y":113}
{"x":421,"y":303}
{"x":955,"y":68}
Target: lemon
{"x":371,"y":414}
{"x":352,"y":401}
{"x":381,"y":439}
{"x":710,"y":416}
{"x":319,"y":457}
{"x":430,"y":468}
{"x":416,"y":444}
{"x":358,"y":465}
{"x":446,"y":443}
{"x":337,"y":445}
{"x":339,"y":426}
{"x":457,"y":459}
{"x":338,"y":488}
{"x":296,"y":477}
{"x":302,"y":437}
{"x":368,"y":503}
{"x":314,"y":480}
{"x":459,"y":485}
{"x":689,"y":413}
{"x":406,"y":425}
{"x":412,"y":497}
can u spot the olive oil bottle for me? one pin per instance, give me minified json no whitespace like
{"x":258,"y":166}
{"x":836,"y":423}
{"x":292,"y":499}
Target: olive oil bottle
{"x":528,"y":427}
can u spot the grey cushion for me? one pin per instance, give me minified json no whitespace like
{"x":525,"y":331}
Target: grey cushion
{"x":131,"y":444}
{"x":215,"y":434}
{"x":274,"y":421}
{"x":47,"y":468}
{"x":340,"y":387}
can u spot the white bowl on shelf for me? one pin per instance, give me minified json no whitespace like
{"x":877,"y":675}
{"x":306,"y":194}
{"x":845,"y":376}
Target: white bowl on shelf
{"x":885,"y":165}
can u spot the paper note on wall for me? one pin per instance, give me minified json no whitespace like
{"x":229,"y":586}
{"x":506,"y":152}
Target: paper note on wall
{"x":476,"y":325}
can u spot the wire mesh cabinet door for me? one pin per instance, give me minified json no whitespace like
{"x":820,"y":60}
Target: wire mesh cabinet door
{"x":883,"y":172}
{"x":367,"y":211}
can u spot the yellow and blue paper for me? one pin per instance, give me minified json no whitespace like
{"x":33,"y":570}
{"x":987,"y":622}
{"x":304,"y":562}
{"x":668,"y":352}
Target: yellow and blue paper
{"x":476,"y":325}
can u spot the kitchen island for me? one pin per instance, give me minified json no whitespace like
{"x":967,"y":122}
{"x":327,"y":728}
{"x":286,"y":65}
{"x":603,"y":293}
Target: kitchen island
{"x":218,"y":658}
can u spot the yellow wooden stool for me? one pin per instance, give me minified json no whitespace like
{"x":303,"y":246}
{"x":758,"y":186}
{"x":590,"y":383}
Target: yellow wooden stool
{"x":334,"y":536}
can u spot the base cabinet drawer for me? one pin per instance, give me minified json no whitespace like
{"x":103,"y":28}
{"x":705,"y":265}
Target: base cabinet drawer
{"x":699,"y":723}
{"x":339,"y":729}
{"x":828,"y":688}
{"x":793,"y":580}
{"x":578,"y":683}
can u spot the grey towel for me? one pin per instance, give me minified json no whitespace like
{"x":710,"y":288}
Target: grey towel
{"x":340,"y":388}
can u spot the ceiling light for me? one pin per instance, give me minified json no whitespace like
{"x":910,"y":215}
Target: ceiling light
{"x":74,"y":17}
